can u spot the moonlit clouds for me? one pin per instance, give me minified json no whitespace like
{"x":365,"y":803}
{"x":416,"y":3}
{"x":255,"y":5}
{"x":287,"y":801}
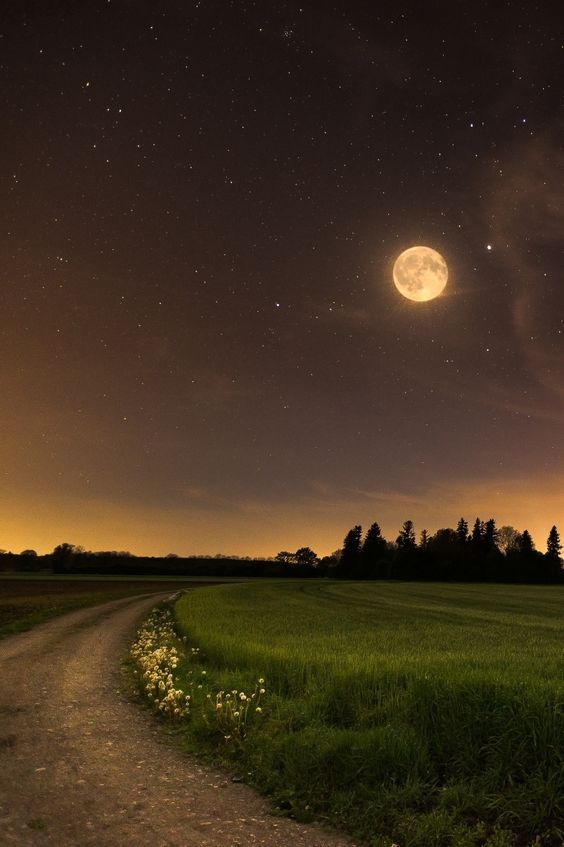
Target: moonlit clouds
{"x":528,"y":213}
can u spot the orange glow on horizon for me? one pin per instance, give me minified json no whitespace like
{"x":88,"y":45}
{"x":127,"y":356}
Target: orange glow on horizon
{"x":258,"y":529}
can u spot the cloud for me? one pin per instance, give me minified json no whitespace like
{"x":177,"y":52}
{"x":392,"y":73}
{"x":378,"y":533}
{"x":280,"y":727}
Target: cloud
{"x":533,"y":504}
{"x":527,"y":210}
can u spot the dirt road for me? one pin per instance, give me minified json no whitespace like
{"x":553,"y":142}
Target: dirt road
{"x":81,"y":765}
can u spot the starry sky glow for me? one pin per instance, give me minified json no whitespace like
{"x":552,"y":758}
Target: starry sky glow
{"x":201,"y":347}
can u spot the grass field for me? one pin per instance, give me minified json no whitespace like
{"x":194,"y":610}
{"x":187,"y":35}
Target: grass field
{"x":421,"y":714}
{"x":27,"y":601}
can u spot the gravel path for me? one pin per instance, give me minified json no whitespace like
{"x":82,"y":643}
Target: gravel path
{"x":81,"y":765}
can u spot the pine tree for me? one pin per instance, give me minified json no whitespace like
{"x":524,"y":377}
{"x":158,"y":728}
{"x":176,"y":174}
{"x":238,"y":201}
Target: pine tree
{"x":351,"y":553}
{"x":462,"y":532}
{"x":524,"y":543}
{"x":490,"y":535}
{"x":523,"y":562}
{"x":373,"y":551}
{"x":552,"y":569}
{"x":424,"y":540}
{"x":477,"y":534}
{"x":374,"y":541}
{"x":553,"y":545}
{"x":406,"y":538}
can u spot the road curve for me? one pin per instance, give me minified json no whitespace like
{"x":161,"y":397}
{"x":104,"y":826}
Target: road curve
{"x":81,"y":765}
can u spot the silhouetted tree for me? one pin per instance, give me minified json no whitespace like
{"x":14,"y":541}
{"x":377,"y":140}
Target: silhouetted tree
{"x":522,"y":562}
{"x":490,"y":535}
{"x":29,"y":561}
{"x":444,"y":550}
{"x":404,"y":564}
{"x":444,"y":540}
{"x":284,"y":557}
{"x":305,"y":557}
{"x":524,"y":543}
{"x":406,"y":538}
{"x":475,"y":564}
{"x":373,"y":554}
{"x":424,"y":564}
{"x":507,"y":538}
{"x":63,"y":557}
{"x":477,"y":534}
{"x":328,"y":564}
{"x":552,"y":559}
{"x":553,"y":545}
{"x":492,"y":564}
{"x":462,"y":532}
{"x":349,"y":561}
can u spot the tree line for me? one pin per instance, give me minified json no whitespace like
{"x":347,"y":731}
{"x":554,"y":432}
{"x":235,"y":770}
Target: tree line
{"x":482,"y":553}
{"x":72,"y":559}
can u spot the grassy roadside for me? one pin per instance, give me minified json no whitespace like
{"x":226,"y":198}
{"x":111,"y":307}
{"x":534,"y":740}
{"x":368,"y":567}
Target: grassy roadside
{"x":424,"y":715}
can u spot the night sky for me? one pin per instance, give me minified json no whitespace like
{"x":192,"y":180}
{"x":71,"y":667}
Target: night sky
{"x":202,"y":349}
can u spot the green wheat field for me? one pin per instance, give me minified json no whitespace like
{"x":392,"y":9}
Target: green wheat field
{"x":420,"y":715}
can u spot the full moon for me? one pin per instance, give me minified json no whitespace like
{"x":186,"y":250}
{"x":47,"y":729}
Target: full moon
{"x":420,"y":273}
